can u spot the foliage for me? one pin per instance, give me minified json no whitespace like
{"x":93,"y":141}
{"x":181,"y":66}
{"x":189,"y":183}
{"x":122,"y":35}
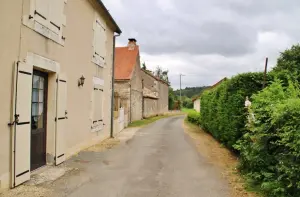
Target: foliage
{"x":144,"y":66}
{"x":288,"y":64}
{"x":172,"y":99}
{"x":222,"y":108}
{"x":161,"y":74}
{"x":187,"y":102}
{"x":270,"y":152}
{"x":187,"y":110}
{"x":194,"y":117}
{"x":190,"y":91}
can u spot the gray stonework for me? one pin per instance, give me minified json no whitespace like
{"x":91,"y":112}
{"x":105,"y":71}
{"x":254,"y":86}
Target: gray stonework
{"x":155,"y":95}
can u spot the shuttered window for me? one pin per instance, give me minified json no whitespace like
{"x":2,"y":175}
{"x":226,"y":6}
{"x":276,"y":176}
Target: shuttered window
{"x":56,"y":10}
{"x":99,"y":43}
{"x":41,"y":11}
{"x":47,"y":18}
{"x":97,"y":108}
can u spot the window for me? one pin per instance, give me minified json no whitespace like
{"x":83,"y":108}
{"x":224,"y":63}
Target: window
{"x":47,"y":18}
{"x":99,"y":43}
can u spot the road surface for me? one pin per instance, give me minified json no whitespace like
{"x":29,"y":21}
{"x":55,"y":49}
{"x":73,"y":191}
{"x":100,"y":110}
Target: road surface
{"x":159,"y":161}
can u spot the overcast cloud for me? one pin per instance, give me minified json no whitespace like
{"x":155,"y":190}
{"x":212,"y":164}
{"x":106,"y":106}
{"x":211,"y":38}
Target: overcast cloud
{"x":207,"y":40}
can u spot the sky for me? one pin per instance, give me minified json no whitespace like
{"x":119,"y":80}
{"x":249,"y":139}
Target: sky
{"x":207,"y":40}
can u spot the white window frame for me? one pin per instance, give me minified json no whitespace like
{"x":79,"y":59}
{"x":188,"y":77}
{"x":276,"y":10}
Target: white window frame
{"x":31,"y":22}
{"x":99,"y":59}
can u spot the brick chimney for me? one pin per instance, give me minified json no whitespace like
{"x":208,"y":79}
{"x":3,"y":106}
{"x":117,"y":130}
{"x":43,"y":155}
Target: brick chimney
{"x":131,"y":43}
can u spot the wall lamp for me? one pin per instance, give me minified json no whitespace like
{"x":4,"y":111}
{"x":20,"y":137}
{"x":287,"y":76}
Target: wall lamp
{"x":81,"y":81}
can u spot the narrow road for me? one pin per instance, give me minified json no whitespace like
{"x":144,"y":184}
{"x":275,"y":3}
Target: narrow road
{"x":159,"y":161}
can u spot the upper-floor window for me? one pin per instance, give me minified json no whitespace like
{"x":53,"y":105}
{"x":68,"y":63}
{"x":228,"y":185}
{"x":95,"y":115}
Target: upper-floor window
{"x":99,"y":44}
{"x":47,"y":18}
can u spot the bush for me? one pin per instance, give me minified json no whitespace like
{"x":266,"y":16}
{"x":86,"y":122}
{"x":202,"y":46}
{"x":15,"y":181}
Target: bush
{"x":194,"y":117}
{"x":270,"y":152}
{"x":222,"y":108}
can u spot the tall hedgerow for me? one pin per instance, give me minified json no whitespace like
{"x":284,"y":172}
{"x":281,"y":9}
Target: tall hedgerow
{"x":270,"y":151}
{"x":222,"y":108}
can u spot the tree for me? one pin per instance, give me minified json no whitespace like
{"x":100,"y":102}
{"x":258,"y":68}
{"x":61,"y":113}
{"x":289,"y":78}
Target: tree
{"x":161,"y":74}
{"x":288,"y":65}
{"x":144,"y":66}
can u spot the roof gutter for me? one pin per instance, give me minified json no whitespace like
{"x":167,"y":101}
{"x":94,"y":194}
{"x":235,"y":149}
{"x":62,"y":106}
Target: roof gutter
{"x":118,"y":30}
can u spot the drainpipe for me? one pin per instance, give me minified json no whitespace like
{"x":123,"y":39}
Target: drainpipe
{"x":113,"y":89}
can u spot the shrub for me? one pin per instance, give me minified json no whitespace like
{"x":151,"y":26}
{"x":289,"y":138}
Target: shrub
{"x":194,"y":117}
{"x":222,"y":108}
{"x":270,"y":152}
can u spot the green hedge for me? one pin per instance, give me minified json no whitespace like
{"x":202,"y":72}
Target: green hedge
{"x":222,"y":108}
{"x":194,"y":117}
{"x":270,"y":152}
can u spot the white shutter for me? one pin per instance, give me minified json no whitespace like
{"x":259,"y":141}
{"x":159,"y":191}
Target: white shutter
{"x":61,"y":119}
{"x":97,"y":44}
{"x":22,"y":126}
{"x":56,"y":9}
{"x":103,"y":42}
{"x":97,"y":108}
{"x":41,"y":13}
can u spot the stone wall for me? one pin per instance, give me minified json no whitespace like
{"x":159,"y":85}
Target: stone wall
{"x":156,"y":95}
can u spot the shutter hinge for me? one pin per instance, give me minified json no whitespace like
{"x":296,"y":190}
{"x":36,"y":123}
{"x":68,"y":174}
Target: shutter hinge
{"x":57,"y":80}
{"x":55,"y":119}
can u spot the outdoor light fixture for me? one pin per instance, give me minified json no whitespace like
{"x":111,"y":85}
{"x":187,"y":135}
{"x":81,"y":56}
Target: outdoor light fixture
{"x":81,"y":81}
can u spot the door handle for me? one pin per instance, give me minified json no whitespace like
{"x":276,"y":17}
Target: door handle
{"x":66,"y":113}
{"x":15,"y":121}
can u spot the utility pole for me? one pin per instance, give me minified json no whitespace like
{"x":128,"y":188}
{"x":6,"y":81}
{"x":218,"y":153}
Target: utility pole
{"x":265,"y":73}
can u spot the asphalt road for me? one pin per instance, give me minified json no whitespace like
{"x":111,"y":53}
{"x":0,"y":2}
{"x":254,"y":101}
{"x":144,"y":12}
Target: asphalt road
{"x":159,"y":161}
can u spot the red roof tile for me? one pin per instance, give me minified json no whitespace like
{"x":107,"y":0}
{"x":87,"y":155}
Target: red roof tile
{"x":125,"y":61}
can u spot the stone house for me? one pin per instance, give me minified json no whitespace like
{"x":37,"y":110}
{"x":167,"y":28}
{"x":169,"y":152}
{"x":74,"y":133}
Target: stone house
{"x":128,"y":86}
{"x":56,"y":58}
{"x":197,"y":100}
{"x":197,"y":105}
{"x":155,"y":95}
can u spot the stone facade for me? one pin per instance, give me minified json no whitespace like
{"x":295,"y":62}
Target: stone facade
{"x":130,"y":95}
{"x":155,"y":95}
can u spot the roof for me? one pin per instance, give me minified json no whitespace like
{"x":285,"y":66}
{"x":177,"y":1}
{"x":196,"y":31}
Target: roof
{"x":211,"y":87}
{"x":216,"y":84}
{"x":158,"y":79}
{"x":125,"y":61}
{"x":117,"y":30}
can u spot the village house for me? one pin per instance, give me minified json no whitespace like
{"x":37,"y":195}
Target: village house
{"x":138,"y":93}
{"x":57,"y":59}
{"x":155,"y":94}
{"x":197,"y":100}
{"x":128,"y":82}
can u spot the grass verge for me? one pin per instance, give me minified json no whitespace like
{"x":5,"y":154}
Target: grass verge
{"x":220,"y":157}
{"x":187,"y":110}
{"x":144,"y":122}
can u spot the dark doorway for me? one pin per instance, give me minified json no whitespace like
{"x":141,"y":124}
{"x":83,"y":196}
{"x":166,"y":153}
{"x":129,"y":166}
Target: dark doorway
{"x":38,"y":119}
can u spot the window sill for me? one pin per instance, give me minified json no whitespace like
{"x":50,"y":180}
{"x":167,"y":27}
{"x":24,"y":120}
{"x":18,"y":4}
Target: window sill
{"x":43,"y":30}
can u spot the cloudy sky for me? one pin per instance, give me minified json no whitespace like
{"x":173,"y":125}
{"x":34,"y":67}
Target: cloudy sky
{"x":207,"y":40}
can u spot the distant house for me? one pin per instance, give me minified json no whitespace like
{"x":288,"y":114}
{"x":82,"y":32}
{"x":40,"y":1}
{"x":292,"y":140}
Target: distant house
{"x":197,"y":104}
{"x":197,"y":100}
{"x":155,"y":94}
{"x":128,"y":82}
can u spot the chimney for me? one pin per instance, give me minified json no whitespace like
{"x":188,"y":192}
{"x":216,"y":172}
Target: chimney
{"x":131,"y":43}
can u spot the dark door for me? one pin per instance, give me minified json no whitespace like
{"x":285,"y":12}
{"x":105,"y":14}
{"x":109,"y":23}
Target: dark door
{"x":38,"y":119}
